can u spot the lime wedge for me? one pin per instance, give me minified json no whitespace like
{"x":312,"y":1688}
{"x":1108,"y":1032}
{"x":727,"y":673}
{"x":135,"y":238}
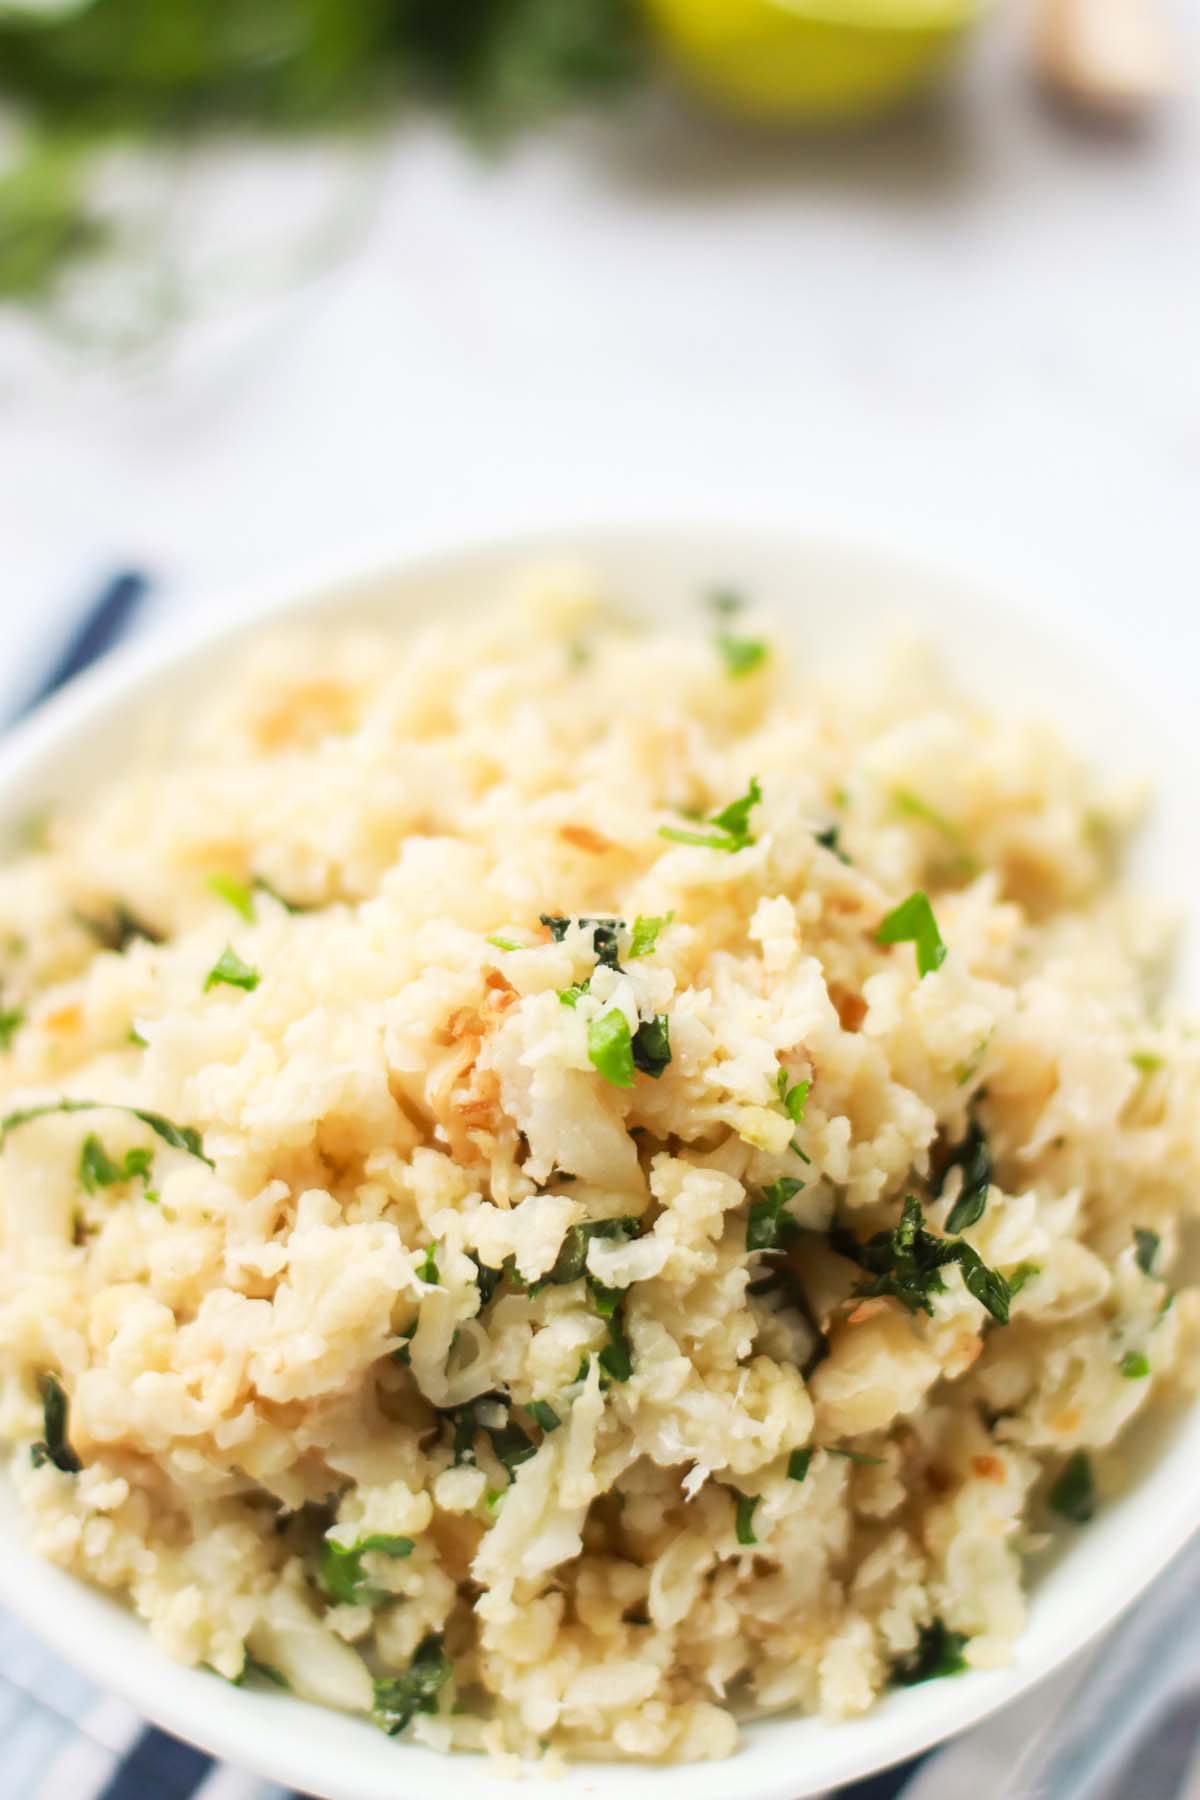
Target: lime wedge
{"x":810,"y":61}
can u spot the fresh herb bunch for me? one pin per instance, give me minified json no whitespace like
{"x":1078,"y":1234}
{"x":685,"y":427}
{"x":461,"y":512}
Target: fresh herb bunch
{"x":86,"y":74}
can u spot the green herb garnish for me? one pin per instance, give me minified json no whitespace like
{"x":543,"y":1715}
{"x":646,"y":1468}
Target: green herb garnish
{"x":1147,"y":1061}
{"x":769,"y":1226}
{"x":1073,"y":1495}
{"x":119,"y":929}
{"x":731,"y":826}
{"x":543,"y":1415}
{"x":1147,"y":1246}
{"x":914,"y":807}
{"x":503,"y":943}
{"x":427,"y":1268}
{"x":97,"y":1168}
{"x":651,"y":1045}
{"x":11,"y":1020}
{"x":251,"y":1667}
{"x":1021,"y":1274}
{"x":605,"y":935}
{"x":230,"y":971}
{"x":235,"y":893}
{"x":912,"y":922}
{"x":646,"y":934}
{"x":939,"y":1652}
{"x":340,"y":1567}
{"x":798,"y":1463}
{"x":856,"y":1456}
{"x":793,"y":1097}
{"x":1134,"y":1365}
{"x":399,"y":1698}
{"x":571,"y":1262}
{"x":905,"y":1264}
{"x":610,"y":1047}
{"x":54,"y":1447}
{"x":744,"y":1517}
{"x":179,"y":1137}
{"x":616,"y":1358}
{"x":573,"y":995}
{"x":830,"y":838}
{"x":740,"y":655}
{"x":974,"y":1158}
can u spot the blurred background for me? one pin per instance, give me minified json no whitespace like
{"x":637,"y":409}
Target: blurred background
{"x":279,"y":278}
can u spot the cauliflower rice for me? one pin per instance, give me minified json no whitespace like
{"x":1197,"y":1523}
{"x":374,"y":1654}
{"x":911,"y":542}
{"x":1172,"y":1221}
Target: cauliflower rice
{"x":600,"y":1256}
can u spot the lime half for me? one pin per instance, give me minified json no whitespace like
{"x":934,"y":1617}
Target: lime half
{"x":810,"y":61}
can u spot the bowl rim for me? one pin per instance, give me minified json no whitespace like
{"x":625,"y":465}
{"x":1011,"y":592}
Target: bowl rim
{"x":117,"y":1651}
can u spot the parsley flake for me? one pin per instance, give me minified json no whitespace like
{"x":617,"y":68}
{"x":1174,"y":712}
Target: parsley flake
{"x":235,"y":893}
{"x":340,"y":1567}
{"x":230,"y":971}
{"x":54,"y":1447}
{"x":646,"y":934}
{"x":1073,"y":1495}
{"x":905,"y":1264}
{"x":731,"y":826}
{"x":1147,"y":1246}
{"x":798,"y":1463}
{"x":744,"y":1517}
{"x":543,"y":1415}
{"x":605,"y":935}
{"x":651,"y":1045}
{"x":938,"y":1652}
{"x":1134,"y":1365}
{"x":793,"y":1097}
{"x":97,"y":1168}
{"x":740,"y":655}
{"x":912,"y":922}
{"x":399,"y":1698}
{"x":974,"y":1158}
{"x":11,"y":1020}
{"x":1146,"y":1061}
{"x":610,"y":1047}
{"x":179,"y":1137}
{"x":769,"y":1226}
{"x":427,"y":1269}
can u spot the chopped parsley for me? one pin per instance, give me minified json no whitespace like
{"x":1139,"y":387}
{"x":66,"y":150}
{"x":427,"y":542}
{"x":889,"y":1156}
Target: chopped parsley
{"x":571,"y":996}
{"x":1021,"y":1274}
{"x":120,"y":929}
{"x":97,"y":1168}
{"x":646,"y":934}
{"x":251,"y":1667}
{"x":793,"y":1097}
{"x":605,"y":935}
{"x":769,"y":1226}
{"x":938,"y":1652}
{"x":744,"y":1517}
{"x":912,"y":922}
{"x":1073,"y":1495}
{"x":616,"y":1358}
{"x":1134,"y":1365}
{"x":798,"y":1463}
{"x":1147,"y":1061}
{"x":488,"y":1279}
{"x":399,"y":1698}
{"x":856,"y":1456}
{"x":427,"y":1269}
{"x":230,"y":971}
{"x":54,"y":1447}
{"x":340,"y":1567}
{"x":1147,"y":1246}
{"x":571,"y":1262}
{"x":11,"y":1020}
{"x":511,"y":1446}
{"x":235,"y":893}
{"x":974,"y":1158}
{"x":829,"y":838}
{"x":651,"y":1045}
{"x":740,"y":655}
{"x":969,"y":1069}
{"x":610,"y":1047}
{"x":905,"y":1264}
{"x":543,"y":1415}
{"x":503,"y":943}
{"x":179,"y":1137}
{"x":965,"y":864}
{"x":730,"y":827}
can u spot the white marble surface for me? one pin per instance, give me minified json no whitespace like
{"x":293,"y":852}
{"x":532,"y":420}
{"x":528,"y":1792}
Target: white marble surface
{"x":975,"y":334}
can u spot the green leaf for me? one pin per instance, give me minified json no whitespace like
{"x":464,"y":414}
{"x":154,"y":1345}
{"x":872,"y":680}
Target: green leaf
{"x":503,"y":943}
{"x":1073,"y":1495}
{"x":651,"y":1046}
{"x":54,"y":1447}
{"x":399,"y":1698}
{"x":610,"y":1047}
{"x":744,"y":1517}
{"x":605,"y":935}
{"x":793,"y":1098}
{"x":571,"y":996}
{"x":427,"y":1268}
{"x":798,"y":1463}
{"x":230,"y":971}
{"x":646,"y":933}
{"x":768,"y":1225}
{"x":912,"y":922}
{"x":543,"y":1414}
{"x":1147,"y":1243}
{"x":974,"y":1158}
{"x":11,"y":1020}
{"x":571,"y":1262}
{"x":616,"y":1358}
{"x":1134,"y":1365}
{"x":731,"y":825}
{"x":179,"y":1137}
{"x":1021,"y":1274}
{"x":235,"y":893}
{"x":97,"y":1168}
{"x":856,"y":1456}
{"x":939,"y":1652}
{"x":905,"y":1263}
{"x":340,"y":1569}
{"x":1147,"y":1061}
{"x":830,"y":838}
{"x":741,"y":656}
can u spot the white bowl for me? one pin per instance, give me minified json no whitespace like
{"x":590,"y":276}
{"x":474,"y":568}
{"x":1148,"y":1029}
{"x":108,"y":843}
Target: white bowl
{"x":832,"y":599}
